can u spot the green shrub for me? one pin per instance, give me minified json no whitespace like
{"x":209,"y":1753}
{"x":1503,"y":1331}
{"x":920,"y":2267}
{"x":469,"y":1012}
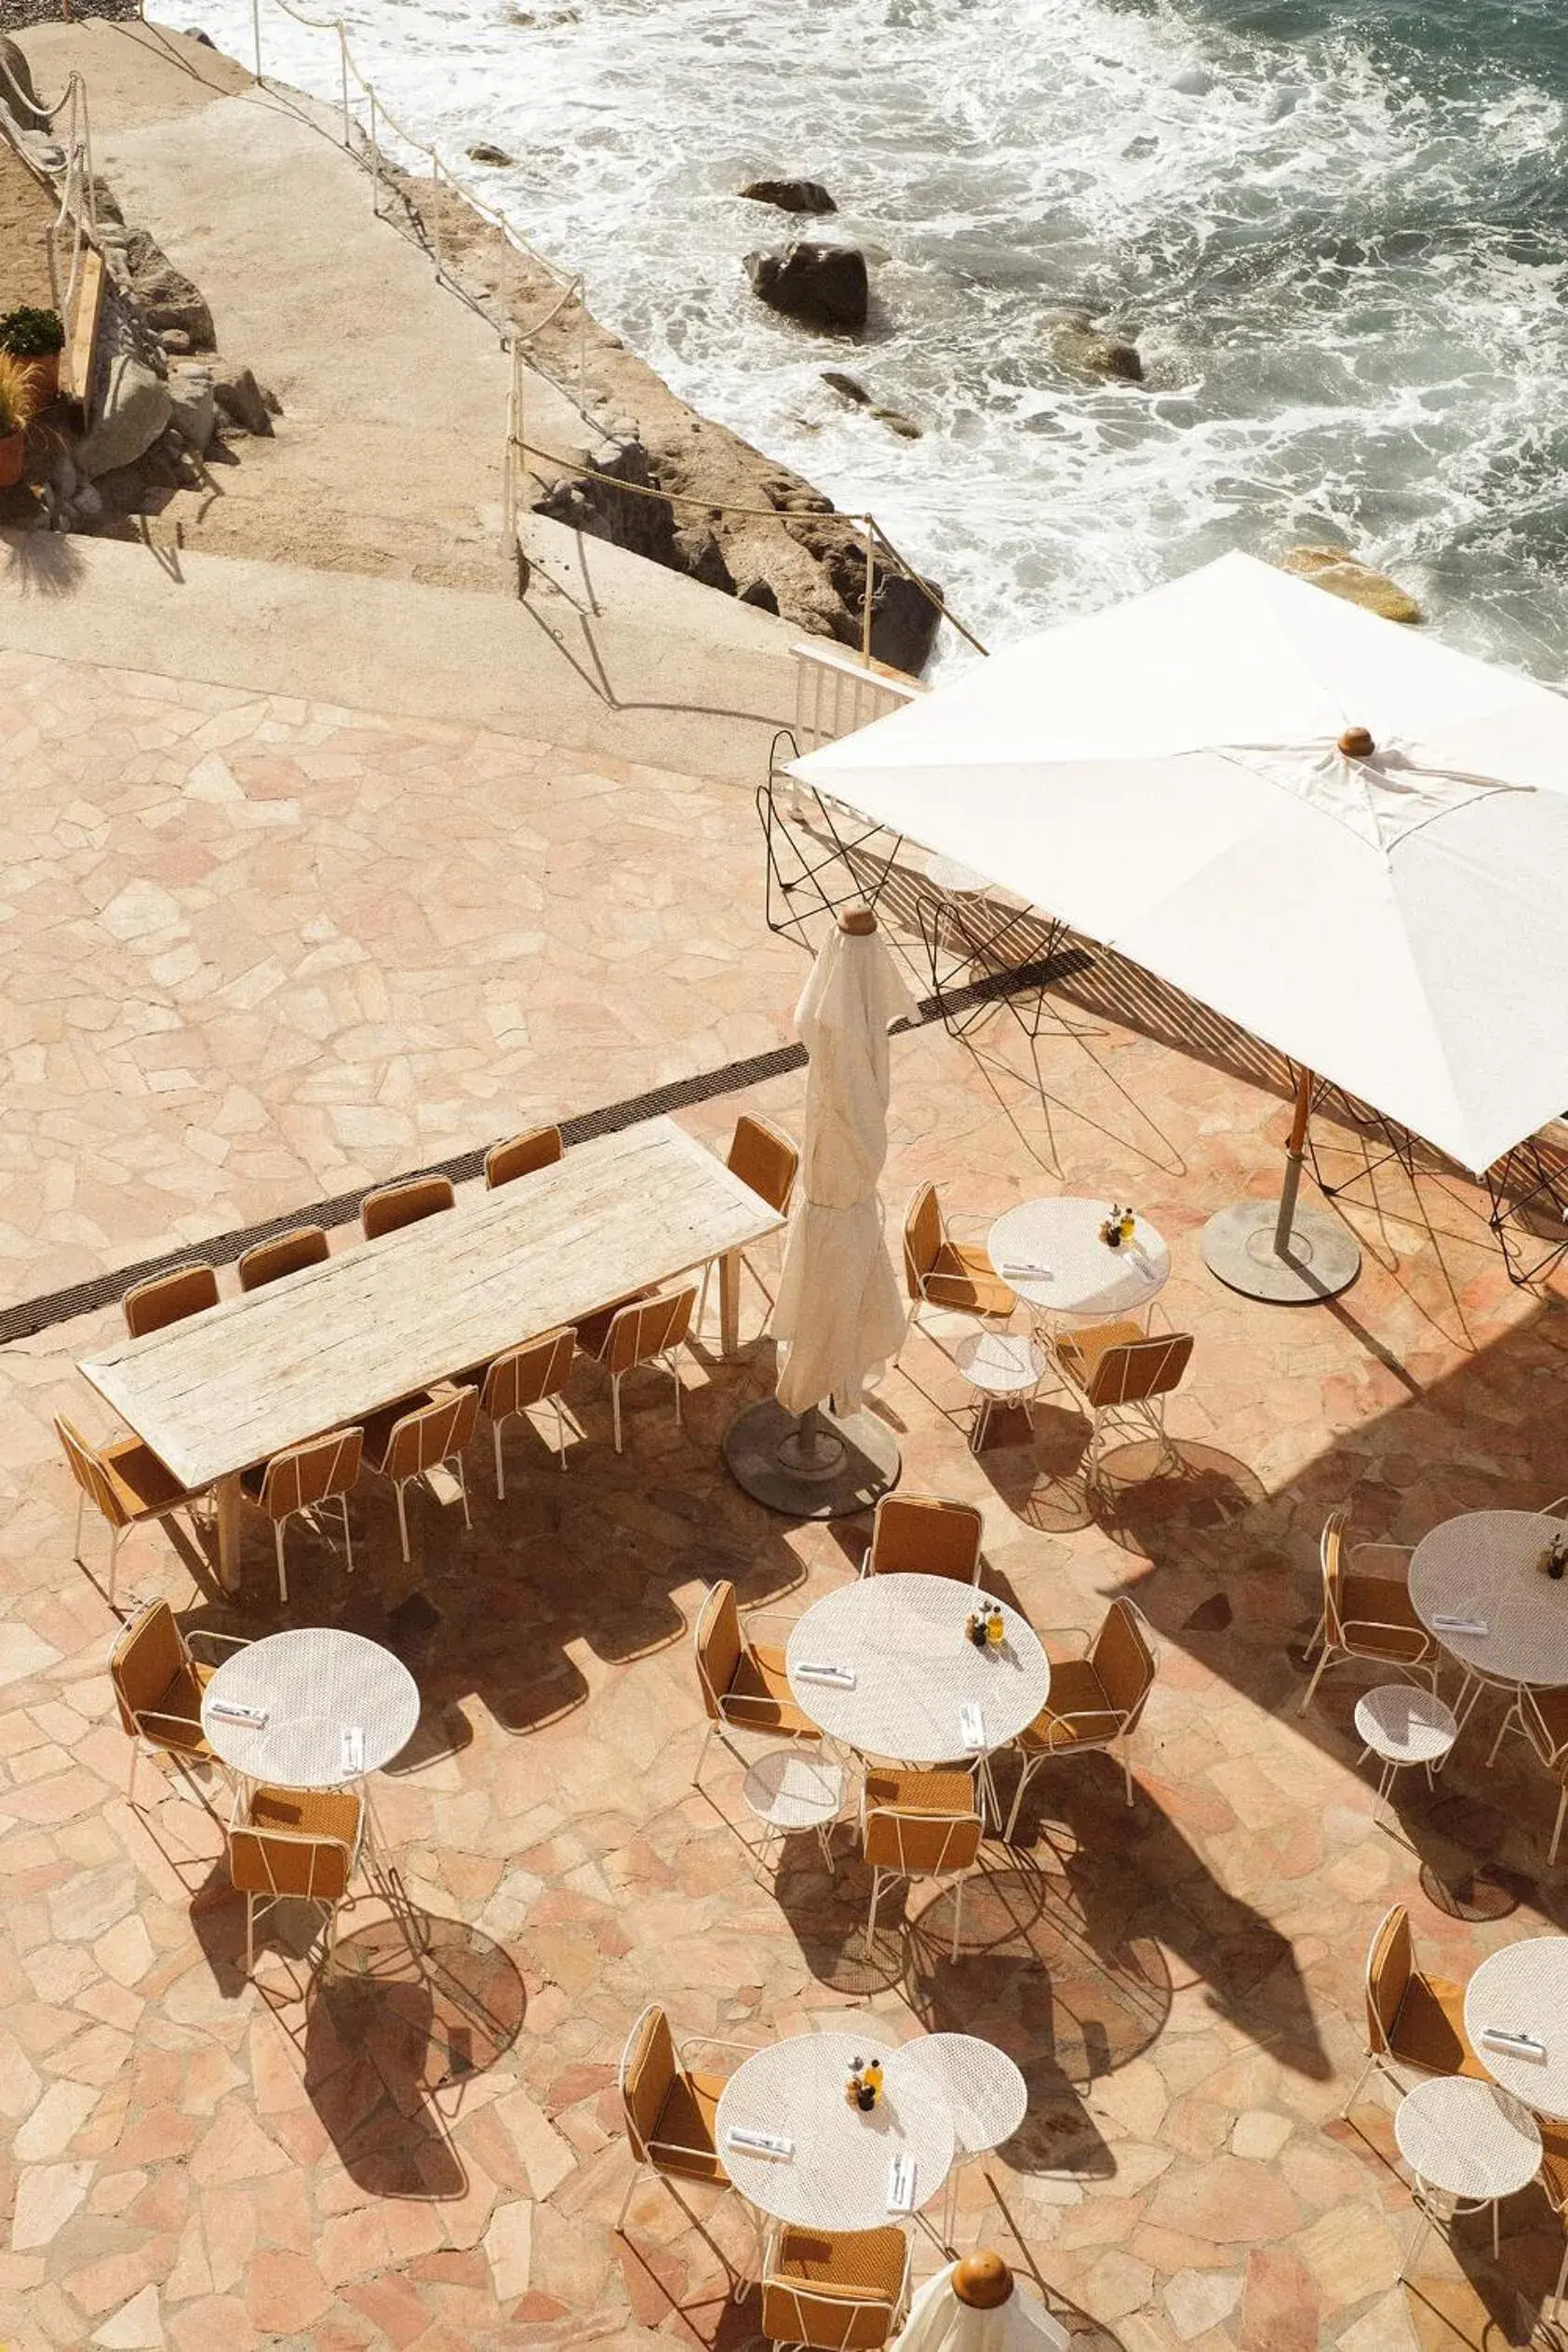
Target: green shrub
{"x":32,"y":334}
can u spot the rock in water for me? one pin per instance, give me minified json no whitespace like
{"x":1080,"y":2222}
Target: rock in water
{"x":850,"y":386}
{"x":486,"y":150}
{"x":1344,"y":575}
{"x":244,"y":402}
{"x":1084,"y":349}
{"x":825,"y":284}
{"x":896,"y":422}
{"x":137,"y":409}
{"x":790,"y":195}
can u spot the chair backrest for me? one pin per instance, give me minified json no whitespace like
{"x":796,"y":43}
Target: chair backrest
{"x":1140,"y":1369}
{"x":168,"y":1299}
{"x":922,"y":1535}
{"x":525,"y":1376}
{"x":1123,"y":1661}
{"x":276,"y":1859}
{"x":431,"y":1434}
{"x":1331,"y":1554}
{"x":647,"y":2071}
{"x":825,"y":2318}
{"x":717,"y":1644}
{"x":399,"y":1205}
{"x":764,"y":1159}
{"x":146,"y":1658}
{"x":917,"y":1842}
{"x":285,"y":1253}
{"x":922,"y":1239}
{"x":506,"y":1161}
{"x":90,"y":1473}
{"x":648,"y":1329}
{"x":308,"y":1473}
{"x":1390,"y":1960}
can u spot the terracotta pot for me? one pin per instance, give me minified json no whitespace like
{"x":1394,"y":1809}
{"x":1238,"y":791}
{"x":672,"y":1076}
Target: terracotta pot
{"x":11,"y":448}
{"x":42,"y":374}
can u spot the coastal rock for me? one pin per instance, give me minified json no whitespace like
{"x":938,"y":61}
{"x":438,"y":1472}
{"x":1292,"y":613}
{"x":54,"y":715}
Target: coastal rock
{"x":1086,"y":349}
{"x":824,"y":285}
{"x":194,"y":33}
{"x":896,"y":422}
{"x":904,"y":613}
{"x":166,"y":294}
{"x":18,"y":95}
{"x":1193,"y":81}
{"x":702,"y":558}
{"x":193,"y":413}
{"x":597,"y":506}
{"x":762,"y":594}
{"x":1344,"y":575}
{"x":136,"y":411}
{"x":244,"y":402}
{"x":791,"y":195}
{"x":486,"y":150}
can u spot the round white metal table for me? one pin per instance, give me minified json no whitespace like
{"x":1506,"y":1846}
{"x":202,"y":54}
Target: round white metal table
{"x":836,"y":2177}
{"x":1003,"y":1367}
{"x":902,"y":1638}
{"x":1468,"y":2141}
{"x":987,"y":2095}
{"x":1523,"y":1989}
{"x":1402,"y":1724}
{"x":789,"y":1790}
{"x":1484,"y":1565}
{"x":1079,"y":1275}
{"x":314,"y":1682}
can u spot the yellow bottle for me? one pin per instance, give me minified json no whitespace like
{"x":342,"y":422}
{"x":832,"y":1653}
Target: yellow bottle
{"x":873,"y":2077}
{"x":1128,"y":1224}
{"x":994,"y":1628}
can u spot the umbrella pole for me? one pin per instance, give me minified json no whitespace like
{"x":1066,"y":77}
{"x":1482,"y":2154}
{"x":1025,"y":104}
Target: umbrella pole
{"x":1277,"y":1251}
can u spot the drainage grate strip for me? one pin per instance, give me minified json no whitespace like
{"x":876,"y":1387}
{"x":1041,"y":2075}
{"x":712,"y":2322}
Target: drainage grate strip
{"x":732,"y":1078}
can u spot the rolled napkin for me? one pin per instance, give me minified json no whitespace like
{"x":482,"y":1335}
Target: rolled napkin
{"x":1025,"y":1270}
{"x":901,"y":2185}
{"x":236,"y":1710}
{"x":353,"y":1747}
{"x":1513,"y":2045}
{"x":820,"y":1671}
{"x":1443,"y":1624}
{"x":746,"y":2142}
{"x":971,"y":1726}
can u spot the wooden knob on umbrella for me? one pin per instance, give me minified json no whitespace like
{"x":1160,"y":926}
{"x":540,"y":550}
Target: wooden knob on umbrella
{"x":1357,"y":743}
{"x":857,"y":920}
{"x":982,"y":2281}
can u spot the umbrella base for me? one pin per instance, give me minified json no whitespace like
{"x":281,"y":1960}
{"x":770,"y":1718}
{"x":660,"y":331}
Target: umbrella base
{"x":1321,"y":1260}
{"x":853,"y":1461}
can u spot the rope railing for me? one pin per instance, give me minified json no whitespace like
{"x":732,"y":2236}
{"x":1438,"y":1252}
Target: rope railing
{"x":73,"y":181}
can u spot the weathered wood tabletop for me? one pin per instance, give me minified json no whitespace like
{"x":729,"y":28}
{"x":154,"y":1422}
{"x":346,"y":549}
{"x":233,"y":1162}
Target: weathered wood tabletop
{"x":238,"y":1383}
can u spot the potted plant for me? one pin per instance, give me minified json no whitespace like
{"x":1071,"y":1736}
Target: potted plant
{"x":36,"y":338}
{"x":17,"y":404}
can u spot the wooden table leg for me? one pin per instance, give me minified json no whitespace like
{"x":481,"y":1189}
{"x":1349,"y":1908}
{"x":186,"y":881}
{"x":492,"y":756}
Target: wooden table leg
{"x":225,"y":1496}
{"x":730,"y":1302}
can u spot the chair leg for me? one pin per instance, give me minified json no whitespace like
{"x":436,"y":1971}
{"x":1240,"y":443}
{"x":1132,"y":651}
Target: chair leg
{"x":871,"y":1915}
{"x":703,"y":1294}
{"x":402,"y":1518}
{"x":615,"y":1407}
{"x":1557,"y":1839}
{"x":1360,"y":2085}
{"x":1025,"y":1774}
{"x":115,"y":1535}
{"x":958,"y":1915}
{"x":1502,"y":1728}
{"x":500,"y":1473}
{"x":1318,"y":1631}
{"x":135,"y":1760}
{"x":560,"y":1432}
{"x":702,"y":1754}
{"x":463,"y":1489}
{"x":1311,"y":1690}
{"x":249,"y":1935}
{"x":1127,"y":1766}
{"x":278,"y":1544}
{"x":81,"y":1511}
{"x":638,"y":2172}
{"x":673,"y":1369}
{"x":1562,"y":2274}
{"x":348,"y":1540}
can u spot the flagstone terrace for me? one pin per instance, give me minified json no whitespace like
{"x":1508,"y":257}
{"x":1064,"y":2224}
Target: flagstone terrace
{"x":262,"y":953}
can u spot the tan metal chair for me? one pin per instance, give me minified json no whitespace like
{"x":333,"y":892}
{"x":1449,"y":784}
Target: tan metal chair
{"x":158,"y":1684}
{"x":294,"y":1845}
{"x":1095,"y":1700}
{"x":1542,"y":1717}
{"x":1412,"y":2019}
{"x":285,"y":1253}
{"x":593,"y":1330}
{"x":922,"y":1535}
{"x":920,"y":1825}
{"x":405,"y":1443}
{"x":399,"y":1205}
{"x":504,"y":1162}
{"x":939,"y":1271}
{"x":523,"y":1376}
{"x":669,"y":2106}
{"x":841,"y":2291}
{"x":768,"y":1162}
{"x":323,"y":1469}
{"x":647,"y":1332}
{"x":1122,"y":1375}
{"x":744,"y":1683}
{"x":1554,"y":2179}
{"x":168,"y":1299}
{"x":126,"y":1481}
{"x":1369,"y":1617}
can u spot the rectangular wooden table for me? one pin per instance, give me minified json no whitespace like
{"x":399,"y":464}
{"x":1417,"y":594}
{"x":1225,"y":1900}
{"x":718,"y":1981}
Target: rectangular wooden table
{"x":227,"y":1388}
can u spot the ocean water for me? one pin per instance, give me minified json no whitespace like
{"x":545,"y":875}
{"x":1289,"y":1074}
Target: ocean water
{"x":1337,"y":228}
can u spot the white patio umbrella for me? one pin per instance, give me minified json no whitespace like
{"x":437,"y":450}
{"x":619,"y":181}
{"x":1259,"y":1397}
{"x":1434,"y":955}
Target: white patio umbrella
{"x":839,"y":1310}
{"x":1003,"y":2318}
{"x":1343,"y":835}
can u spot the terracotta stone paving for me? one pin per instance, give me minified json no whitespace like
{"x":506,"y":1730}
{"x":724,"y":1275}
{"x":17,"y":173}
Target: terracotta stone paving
{"x":216,"y":1011}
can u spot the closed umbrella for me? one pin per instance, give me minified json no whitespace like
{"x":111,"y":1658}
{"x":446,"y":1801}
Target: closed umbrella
{"x":1349,"y":839}
{"x":976,"y":2305}
{"x":839,"y":1311}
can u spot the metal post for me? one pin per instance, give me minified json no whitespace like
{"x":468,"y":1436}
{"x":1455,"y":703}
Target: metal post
{"x":436,"y":210}
{"x":1295,"y":1152}
{"x":865,"y":601}
{"x":375,"y":159}
{"x":343,"y":69}
{"x":256,"y":33}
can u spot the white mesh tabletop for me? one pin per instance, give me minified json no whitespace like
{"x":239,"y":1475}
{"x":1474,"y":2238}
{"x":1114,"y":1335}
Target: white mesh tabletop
{"x":1485,"y":1566}
{"x":789,"y":1790}
{"x":1404,"y":1724}
{"x":1523,"y":1989}
{"x":1083,"y":1275}
{"x":313,"y":1683}
{"x":985,"y":2091}
{"x":915,"y":1672}
{"x":962,"y":880}
{"x":1000,"y":1363}
{"x":1467,"y":2138}
{"x":837,"y":2176}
